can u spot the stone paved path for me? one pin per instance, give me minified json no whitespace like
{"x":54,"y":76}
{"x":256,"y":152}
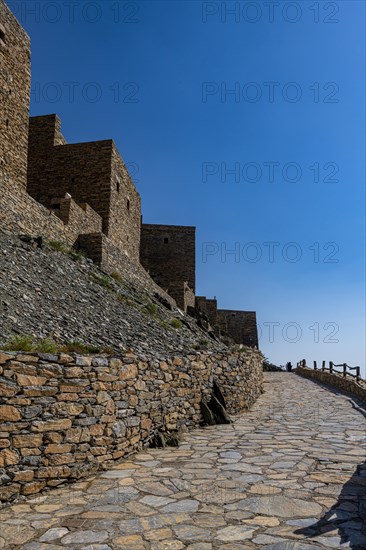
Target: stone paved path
{"x":283,"y":476}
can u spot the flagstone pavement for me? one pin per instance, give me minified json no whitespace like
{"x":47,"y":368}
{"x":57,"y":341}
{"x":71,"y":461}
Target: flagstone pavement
{"x":288,"y":474}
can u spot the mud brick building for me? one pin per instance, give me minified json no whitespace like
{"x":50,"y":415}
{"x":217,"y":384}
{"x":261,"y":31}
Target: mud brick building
{"x":168,"y":253}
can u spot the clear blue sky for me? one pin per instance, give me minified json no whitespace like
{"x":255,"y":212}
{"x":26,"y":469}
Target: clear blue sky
{"x":292,"y":131}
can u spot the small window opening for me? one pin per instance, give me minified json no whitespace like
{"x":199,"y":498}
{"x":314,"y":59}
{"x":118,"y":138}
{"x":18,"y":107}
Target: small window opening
{"x":56,"y":206}
{"x":128,"y":205}
{"x":117,"y":185}
{"x":7,"y":123}
{"x":166,"y":240}
{"x":2,"y":35}
{"x":72,"y":180}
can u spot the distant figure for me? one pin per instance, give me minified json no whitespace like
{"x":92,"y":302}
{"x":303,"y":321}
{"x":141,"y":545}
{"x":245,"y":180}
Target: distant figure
{"x":289,"y":367}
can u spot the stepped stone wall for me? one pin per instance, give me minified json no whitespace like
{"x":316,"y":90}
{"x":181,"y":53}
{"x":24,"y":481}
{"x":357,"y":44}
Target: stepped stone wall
{"x":337,"y":380}
{"x":92,"y":173}
{"x":64,"y":417}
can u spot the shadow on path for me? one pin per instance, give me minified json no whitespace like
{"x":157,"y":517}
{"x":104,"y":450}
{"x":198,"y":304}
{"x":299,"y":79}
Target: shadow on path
{"x":348,"y":515}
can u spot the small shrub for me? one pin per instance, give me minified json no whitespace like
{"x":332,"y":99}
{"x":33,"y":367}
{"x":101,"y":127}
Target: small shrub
{"x":176,"y":323}
{"x":58,"y":246}
{"x":151,"y":308}
{"x":19,"y":343}
{"x":103,"y":281}
{"x":79,"y":347}
{"x":28,"y":343}
{"x":77,"y":255}
{"x":47,"y":345}
{"x":126,"y":300}
{"x":117,"y":277}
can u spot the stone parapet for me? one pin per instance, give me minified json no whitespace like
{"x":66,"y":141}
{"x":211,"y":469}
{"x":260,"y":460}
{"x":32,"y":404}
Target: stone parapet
{"x":337,"y":380}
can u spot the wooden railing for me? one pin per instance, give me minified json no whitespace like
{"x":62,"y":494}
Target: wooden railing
{"x":332,"y":368}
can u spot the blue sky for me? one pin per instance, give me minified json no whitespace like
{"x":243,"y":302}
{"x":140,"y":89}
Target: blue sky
{"x":248,"y":125}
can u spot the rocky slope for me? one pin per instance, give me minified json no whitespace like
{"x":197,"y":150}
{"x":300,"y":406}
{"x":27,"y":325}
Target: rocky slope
{"x":47,"y":293}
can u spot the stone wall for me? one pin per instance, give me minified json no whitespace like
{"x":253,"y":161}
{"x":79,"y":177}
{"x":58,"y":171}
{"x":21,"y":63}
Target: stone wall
{"x":80,"y":218}
{"x":337,"y":380}
{"x":91,"y":173}
{"x":208,"y":306}
{"x":14,"y":97}
{"x":239,"y":325}
{"x":111,"y":259}
{"x":168,"y":253}
{"x":19,"y":213}
{"x":64,"y":417}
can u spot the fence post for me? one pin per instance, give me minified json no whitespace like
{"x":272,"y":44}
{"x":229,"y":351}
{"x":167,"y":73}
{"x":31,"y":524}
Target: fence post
{"x":330,"y":367}
{"x":315,"y":367}
{"x":323,"y":365}
{"x":344,"y":369}
{"x":358,"y":374}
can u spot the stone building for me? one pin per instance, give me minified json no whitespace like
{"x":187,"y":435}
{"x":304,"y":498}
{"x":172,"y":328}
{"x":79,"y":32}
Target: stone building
{"x":93,"y":174}
{"x":14,"y":97}
{"x":82,"y":194}
{"x":241,"y":326}
{"x":168,"y":253}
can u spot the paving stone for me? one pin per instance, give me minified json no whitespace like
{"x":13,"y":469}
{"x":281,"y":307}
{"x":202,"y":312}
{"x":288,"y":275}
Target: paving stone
{"x":187,"y":505}
{"x":191,"y":532}
{"x":281,"y":506}
{"x":155,"y":501}
{"x":80,"y":537}
{"x":54,"y":534}
{"x":235,"y":532}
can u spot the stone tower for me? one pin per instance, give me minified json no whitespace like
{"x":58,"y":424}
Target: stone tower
{"x":14,"y":98}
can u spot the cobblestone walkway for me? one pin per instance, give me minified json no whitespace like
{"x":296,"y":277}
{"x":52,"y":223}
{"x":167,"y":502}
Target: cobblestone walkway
{"x":283,"y":476}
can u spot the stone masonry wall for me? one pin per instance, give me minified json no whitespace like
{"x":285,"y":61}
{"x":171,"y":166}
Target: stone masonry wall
{"x":337,"y":380}
{"x":111,"y":259}
{"x":83,"y":170}
{"x":91,"y":173}
{"x":208,"y":307}
{"x":239,"y":325}
{"x":14,"y":97}
{"x":64,"y":417}
{"x":79,"y":218}
{"x":168,"y":253}
{"x":124,"y":222}
{"x":19,"y":213}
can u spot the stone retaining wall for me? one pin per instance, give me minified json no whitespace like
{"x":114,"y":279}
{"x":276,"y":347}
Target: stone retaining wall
{"x":64,"y":417}
{"x":336,"y":380}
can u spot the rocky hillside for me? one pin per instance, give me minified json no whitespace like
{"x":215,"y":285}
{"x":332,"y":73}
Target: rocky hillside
{"x":51,"y":293}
